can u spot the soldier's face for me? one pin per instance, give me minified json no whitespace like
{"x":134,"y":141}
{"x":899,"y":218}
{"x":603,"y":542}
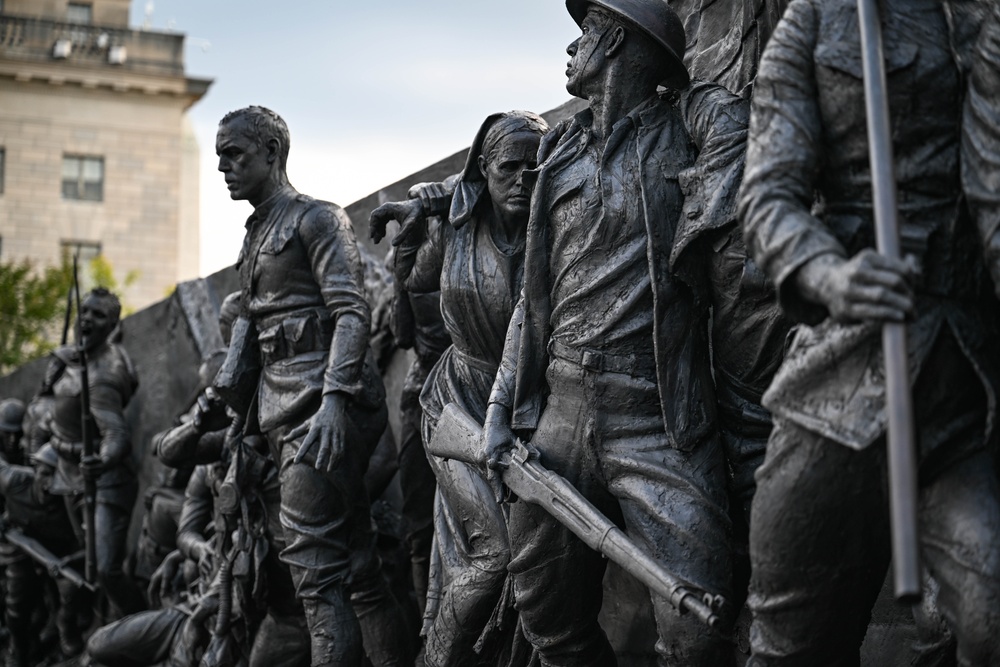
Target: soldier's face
{"x":587,"y":58}
{"x":43,"y":480}
{"x":243,"y":160}
{"x":96,"y":321}
{"x":503,"y":171}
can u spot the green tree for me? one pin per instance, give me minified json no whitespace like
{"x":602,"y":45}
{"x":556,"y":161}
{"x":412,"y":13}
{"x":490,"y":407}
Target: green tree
{"x":33,"y":305}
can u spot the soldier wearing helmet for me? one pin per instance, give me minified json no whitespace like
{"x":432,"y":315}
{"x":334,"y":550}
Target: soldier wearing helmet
{"x":39,"y":515}
{"x":606,"y":369}
{"x":11,"y":418}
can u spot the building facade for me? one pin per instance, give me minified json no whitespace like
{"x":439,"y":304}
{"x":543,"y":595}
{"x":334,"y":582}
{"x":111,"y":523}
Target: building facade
{"x":97,"y":155}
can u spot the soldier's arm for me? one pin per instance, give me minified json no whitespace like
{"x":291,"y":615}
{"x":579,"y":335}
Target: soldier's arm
{"x":337,"y":269}
{"x":498,"y":436}
{"x":107,"y":406}
{"x":809,"y":267}
{"x":419,"y":258}
{"x":717,"y":123}
{"x":981,"y":141}
{"x":783,"y":159}
{"x":196,"y":514}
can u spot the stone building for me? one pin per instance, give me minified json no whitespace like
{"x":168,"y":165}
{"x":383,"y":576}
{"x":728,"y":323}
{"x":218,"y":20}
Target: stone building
{"x":96,"y":150}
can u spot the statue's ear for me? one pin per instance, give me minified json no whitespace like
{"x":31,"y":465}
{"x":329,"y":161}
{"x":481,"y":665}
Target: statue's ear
{"x":273,"y":149}
{"x":615,"y":41}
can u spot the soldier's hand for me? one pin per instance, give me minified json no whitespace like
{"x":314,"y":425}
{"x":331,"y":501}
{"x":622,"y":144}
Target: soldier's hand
{"x":92,"y":467}
{"x":866,"y":288}
{"x":164,"y":582}
{"x":433,"y":196}
{"x":409,"y":214}
{"x":498,"y":437}
{"x":323,"y":432}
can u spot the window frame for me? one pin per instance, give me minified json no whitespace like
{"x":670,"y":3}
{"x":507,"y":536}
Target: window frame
{"x":81,"y":183}
{"x":88,"y":7}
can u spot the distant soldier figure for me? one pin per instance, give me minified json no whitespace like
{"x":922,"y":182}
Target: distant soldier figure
{"x":112,"y":382}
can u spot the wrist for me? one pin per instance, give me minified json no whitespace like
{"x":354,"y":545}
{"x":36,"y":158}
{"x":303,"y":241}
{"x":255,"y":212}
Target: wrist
{"x":813,"y":279}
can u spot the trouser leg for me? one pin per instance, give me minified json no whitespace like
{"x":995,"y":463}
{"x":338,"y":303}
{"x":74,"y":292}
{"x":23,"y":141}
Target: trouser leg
{"x":67,"y":621}
{"x":472,"y":527}
{"x":138,"y":640}
{"x":675,"y":508}
{"x":23,"y":586}
{"x":557,"y":578}
{"x":281,"y":641}
{"x":744,"y":454}
{"x":818,"y":547}
{"x":416,"y":480}
{"x":329,"y":541}
{"x":959,"y":529}
{"x":112,"y":518}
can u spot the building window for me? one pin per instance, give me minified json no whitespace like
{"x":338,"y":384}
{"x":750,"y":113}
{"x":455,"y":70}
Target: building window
{"x":3,"y":165}
{"x":78,"y":12}
{"x":85,"y":250}
{"x":83,"y":178}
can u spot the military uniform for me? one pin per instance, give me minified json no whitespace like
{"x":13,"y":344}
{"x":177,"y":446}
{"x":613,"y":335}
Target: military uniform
{"x":819,"y":532}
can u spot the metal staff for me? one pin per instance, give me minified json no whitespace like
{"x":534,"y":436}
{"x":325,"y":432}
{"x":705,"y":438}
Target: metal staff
{"x":899,"y":401}
{"x":89,"y":484}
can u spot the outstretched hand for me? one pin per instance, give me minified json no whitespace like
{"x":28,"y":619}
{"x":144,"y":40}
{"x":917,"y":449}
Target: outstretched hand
{"x":409,"y":214}
{"x":323,"y":432}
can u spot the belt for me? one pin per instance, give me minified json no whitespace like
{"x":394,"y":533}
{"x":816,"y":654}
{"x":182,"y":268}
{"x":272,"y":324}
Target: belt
{"x":640,"y":366}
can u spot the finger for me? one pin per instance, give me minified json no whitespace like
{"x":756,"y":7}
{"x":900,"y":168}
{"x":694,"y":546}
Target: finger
{"x":407,"y":226}
{"x":880,"y":296}
{"x":296,"y":433}
{"x":873,"y":313}
{"x":874,"y":260}
{"x":323,"y":458}
{"x":305,"y":447}
{"x":336,"y":450}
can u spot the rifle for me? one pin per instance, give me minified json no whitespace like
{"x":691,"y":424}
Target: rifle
{"x":34,"y":550}
{"x":90,"y":485}
{"x":455,"y":435}
{"x":899,"y":401}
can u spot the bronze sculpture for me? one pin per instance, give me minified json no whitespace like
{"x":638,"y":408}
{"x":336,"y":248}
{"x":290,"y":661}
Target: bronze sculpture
{"x":319,"y":401}
{"x":112,"y":381}
{"x":607,"y":362}
{"x":475,"y":259}
{"x":819,"y":535}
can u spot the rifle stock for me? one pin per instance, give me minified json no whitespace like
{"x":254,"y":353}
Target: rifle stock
{"x":455,"y":438}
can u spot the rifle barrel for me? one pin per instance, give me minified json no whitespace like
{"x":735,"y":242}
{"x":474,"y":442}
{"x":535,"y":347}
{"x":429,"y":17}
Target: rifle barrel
{"x":902,"y":458}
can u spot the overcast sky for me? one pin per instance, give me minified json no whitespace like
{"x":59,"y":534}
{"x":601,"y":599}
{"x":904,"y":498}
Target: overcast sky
{"x":372,"y":90}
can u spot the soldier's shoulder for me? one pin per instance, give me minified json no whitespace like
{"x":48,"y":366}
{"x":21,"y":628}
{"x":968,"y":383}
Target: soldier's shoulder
{"x":319,"y":214}
{"x":112,"y":365}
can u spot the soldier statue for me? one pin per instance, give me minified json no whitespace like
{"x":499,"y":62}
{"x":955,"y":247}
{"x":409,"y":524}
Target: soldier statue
{"x":317,"y":397}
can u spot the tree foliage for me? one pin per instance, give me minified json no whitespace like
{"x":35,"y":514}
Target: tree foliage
{"x":33,"y":305}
